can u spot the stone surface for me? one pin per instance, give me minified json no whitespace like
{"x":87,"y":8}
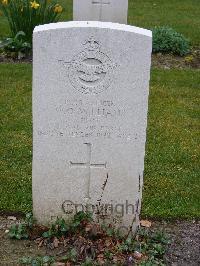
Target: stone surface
{"x":90,"y":98}
{"x":101,"y":10}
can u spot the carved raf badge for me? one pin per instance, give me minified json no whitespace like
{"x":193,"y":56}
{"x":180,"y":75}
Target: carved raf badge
{"x":91,"y":71}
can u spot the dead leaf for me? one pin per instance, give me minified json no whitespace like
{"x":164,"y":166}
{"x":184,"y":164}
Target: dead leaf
{"x":119,"y":259}
{"x":61,"y":264}
{"x":55,"y":242}
{"x":41,"y":243}
{"x":88,"y":227}
{"x":100,"y":259}
{"x":108,"y":243}
{"x":145,"y":223}
{"x":115,"y":259}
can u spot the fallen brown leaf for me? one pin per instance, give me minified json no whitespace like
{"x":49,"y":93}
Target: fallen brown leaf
{"x":88,"y":227}
{"x":145,"y":223}
{"x":100,"y":259}
{"x":41,"y":243}
{"x":55,"y":242}
{"x":61,"y":264}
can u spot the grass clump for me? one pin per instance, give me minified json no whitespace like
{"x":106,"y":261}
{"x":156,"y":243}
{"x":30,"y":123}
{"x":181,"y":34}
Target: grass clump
{"x":167,"y":40}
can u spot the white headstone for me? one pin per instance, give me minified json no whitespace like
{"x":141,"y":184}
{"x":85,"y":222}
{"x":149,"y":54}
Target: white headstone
{"x":90,"y":98}
{"x":101,"y":10}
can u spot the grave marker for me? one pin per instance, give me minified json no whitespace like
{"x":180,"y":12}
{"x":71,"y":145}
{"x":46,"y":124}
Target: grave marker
{"x":90,"y":101}
{"x":101,"y":10}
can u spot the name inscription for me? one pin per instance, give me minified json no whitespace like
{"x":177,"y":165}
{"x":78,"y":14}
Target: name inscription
{"x":84,"y":119}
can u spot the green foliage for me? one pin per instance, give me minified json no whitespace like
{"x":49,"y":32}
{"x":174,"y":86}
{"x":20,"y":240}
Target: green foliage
{"x":16,"y":46}
{"x":38,"y":261}
{"x":128,"y":245}
{"x":71,"y":256}
{"x":151,"y":243}
{"x":79,"y":219}
{"x":110,"y":231}
{"x":29,"y":220}
{"x":88,"y":262}
{"x":58,"y":229}
{"x":167,"y":40}
{"x":21,"y":230}
{"x":82,"y":216}
{"x":148,"y":14}
{"x":108,"y":254}
{"x":154,"y":245}
{"x":24,"y":15}
{"x":18,"y":231}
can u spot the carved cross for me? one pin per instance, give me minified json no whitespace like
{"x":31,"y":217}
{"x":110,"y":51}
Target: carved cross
{"x":101,"y":3}
{"x":88,"y":166}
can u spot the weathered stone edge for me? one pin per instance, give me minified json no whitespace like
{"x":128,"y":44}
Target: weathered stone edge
{"x":92,"y":24}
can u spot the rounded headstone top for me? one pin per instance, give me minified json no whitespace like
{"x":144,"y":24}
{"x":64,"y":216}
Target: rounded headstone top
{"x":93,"y":24}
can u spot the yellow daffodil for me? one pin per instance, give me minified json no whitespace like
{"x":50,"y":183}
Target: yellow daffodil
{"x":58,"y":8}
{"x":4,"y":2}
{"x":35,"y":5}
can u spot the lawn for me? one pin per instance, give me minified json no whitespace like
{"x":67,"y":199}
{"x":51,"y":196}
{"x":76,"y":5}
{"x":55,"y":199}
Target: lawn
{"x":182,"y":15}
{"x":171,"y":167}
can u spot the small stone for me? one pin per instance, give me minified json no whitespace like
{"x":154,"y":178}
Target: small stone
{"x":12,"y":218}
{"x":7,"y":231}
{"x":130,"y":259}
{"x":137,"y":255}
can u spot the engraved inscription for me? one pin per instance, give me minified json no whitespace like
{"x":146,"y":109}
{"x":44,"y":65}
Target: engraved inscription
{"x":88,"y":165}
{"x":84,"y":119}
{"x":91,"y":71}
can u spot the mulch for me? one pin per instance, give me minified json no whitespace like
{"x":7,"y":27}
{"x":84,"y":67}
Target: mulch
{"x":184,"y":249}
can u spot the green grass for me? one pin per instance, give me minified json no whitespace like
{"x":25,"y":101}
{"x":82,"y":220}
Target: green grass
{"x":171,"y":169}
{"x":15,"y":137}
{"x":182,"y":15}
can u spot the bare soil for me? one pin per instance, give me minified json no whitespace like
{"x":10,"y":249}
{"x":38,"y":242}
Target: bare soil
{"x":184,"y":249}
{"x":166,"y":61}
